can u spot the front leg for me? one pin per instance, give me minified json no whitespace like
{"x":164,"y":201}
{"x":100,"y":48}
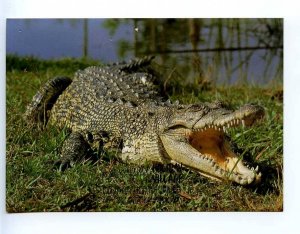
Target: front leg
{"x":74,"y":149}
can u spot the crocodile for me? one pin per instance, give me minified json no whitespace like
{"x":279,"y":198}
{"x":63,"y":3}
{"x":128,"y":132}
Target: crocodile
{"x":122,"y":103}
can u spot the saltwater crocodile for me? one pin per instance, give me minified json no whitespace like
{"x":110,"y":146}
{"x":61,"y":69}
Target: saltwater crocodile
{"x":122,"y":103}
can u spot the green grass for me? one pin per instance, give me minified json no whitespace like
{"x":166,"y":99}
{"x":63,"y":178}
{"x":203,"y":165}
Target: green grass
{"x":33,"y":185}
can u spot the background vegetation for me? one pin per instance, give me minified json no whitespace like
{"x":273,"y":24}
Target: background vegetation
{"x":34,"y":185}
{"x":218,"y":51}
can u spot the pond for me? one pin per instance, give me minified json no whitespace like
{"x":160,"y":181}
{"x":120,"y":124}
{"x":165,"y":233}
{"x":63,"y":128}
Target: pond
{"x":218,"y":50}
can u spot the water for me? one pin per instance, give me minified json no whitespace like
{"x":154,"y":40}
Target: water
{"x":53,"y":39}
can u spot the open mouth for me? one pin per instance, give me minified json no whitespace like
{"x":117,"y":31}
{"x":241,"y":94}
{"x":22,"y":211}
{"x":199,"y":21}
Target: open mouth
{"x":206,"y":148}
{"x":212,"y":145}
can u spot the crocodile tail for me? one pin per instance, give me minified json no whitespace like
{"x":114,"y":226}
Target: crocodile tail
{"x":137,"y":64}
{"x":38,"y":111}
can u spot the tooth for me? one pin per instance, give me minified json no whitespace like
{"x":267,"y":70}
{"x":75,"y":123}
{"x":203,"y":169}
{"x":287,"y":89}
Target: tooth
{"x":243,"y":123}
{"x":243,"y":181}
{"x":219,"y":170}
{"x":249,"y":180}
{"x":252,"y":168}
{"x":256,"y":169}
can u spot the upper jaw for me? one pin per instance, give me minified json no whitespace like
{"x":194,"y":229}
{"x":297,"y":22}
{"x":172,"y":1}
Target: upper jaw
{"x":220,"y":118}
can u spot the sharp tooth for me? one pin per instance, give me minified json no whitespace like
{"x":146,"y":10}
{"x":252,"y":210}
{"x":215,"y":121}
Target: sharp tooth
{"x":219,"y":170}
{"x":252,"y":168}
{"x":243,"y":123}
{"x":256,"y":169}
{"x":249,"y":180}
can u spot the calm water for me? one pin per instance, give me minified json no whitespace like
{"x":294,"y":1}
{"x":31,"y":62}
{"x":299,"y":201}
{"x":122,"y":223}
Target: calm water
{"x":51,"y":38}
{"x":54,"y":39}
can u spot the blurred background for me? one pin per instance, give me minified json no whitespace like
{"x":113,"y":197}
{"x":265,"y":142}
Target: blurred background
{"x":199,"y":51}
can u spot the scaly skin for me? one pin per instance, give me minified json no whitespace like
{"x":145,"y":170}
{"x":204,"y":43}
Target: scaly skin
{"x":122,"y":103}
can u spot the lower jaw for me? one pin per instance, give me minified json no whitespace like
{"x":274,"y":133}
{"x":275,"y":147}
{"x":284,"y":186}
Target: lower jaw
{"x":245,"y":180}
